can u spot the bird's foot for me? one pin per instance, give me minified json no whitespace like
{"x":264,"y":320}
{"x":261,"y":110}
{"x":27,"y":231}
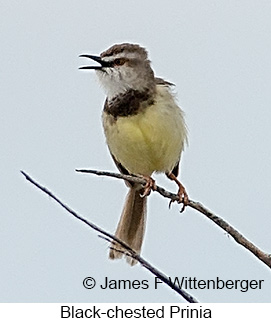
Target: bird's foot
{"x":183,"y":196}
{"x":149,"y":186}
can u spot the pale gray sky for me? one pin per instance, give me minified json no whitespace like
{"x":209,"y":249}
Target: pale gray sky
{"x":218,"y":55}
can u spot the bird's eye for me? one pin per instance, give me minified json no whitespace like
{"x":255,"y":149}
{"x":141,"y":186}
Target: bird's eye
{"x":119,"y":61}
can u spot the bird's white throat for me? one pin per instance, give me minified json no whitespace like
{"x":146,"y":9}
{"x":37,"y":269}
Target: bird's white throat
{"x":134,"y":73}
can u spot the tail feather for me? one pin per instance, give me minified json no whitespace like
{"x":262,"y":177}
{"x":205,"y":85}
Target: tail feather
{"x":131,"y":226}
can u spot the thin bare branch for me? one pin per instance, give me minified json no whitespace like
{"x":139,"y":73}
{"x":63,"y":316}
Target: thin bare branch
{"x":237,"y":236}
{"x":130,"y":251}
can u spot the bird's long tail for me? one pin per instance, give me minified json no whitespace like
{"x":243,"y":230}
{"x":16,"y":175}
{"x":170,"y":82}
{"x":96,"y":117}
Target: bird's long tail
{"x":131,"y":226}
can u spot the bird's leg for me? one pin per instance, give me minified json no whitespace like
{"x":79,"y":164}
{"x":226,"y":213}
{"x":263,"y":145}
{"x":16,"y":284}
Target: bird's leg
{"x":150,"y":185}
{"x":183,"y":197}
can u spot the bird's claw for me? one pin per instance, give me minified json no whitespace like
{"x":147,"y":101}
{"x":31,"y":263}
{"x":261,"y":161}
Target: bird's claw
{"x":149,"y":186}
{"x":182,"y":198}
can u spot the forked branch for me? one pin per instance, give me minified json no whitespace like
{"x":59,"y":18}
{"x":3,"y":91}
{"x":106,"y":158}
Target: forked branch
{"x":129,"y":251}
{"x":237,"y":236}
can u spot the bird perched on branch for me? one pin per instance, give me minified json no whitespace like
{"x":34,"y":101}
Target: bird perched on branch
{"x":144,"y":129}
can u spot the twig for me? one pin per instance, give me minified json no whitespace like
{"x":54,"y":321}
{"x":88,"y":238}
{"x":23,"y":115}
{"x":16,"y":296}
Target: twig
{"x":130,"y":178}
{"x":130,"y":251}
{"x":237,"y":236}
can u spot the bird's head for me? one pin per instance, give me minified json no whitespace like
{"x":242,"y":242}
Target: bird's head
{"x":123,"y":67}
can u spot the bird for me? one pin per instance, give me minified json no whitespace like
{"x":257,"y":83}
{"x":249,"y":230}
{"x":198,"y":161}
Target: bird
{"x":145,"y":132}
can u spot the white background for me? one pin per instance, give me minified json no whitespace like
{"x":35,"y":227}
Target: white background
{"x":218,"y":55}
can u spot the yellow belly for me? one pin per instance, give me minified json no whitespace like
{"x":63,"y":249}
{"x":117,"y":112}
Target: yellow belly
{"x":149,"y":141}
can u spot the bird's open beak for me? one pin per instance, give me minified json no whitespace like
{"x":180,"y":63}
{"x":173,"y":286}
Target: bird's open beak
{"x":96,"y":59}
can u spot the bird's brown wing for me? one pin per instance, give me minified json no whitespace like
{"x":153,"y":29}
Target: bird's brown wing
{"x":160,"y":81}
{"x":175,"y":170}
{"x":123,"y":170}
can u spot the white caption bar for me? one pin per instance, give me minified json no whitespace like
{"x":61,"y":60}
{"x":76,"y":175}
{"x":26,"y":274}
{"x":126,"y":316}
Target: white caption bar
{"x":40,"y":312}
